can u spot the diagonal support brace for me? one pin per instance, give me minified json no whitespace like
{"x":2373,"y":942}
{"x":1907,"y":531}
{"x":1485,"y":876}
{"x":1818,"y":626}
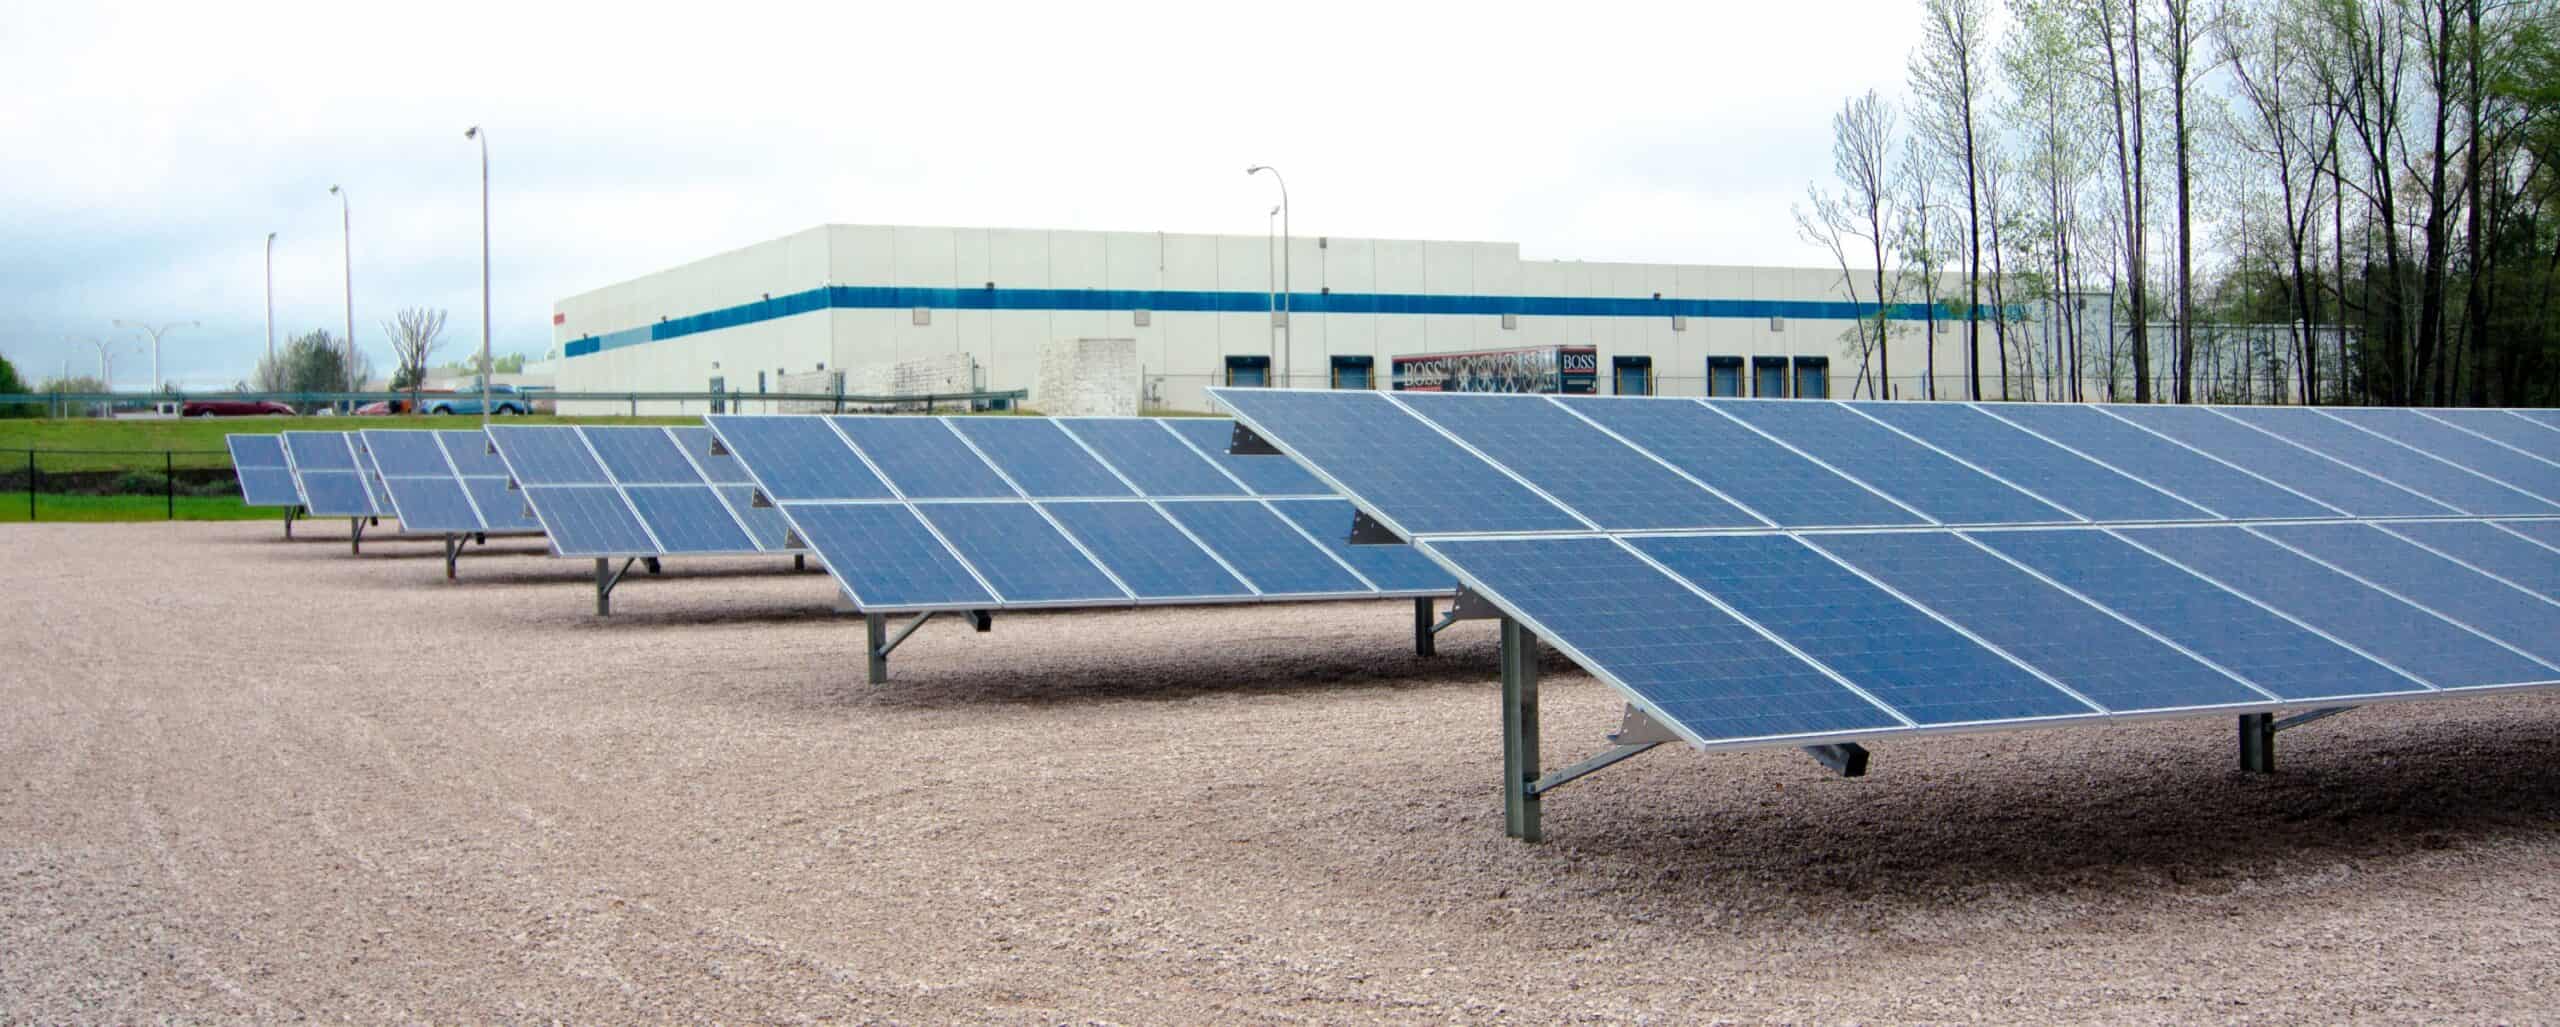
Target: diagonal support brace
{"x":881,"y":642}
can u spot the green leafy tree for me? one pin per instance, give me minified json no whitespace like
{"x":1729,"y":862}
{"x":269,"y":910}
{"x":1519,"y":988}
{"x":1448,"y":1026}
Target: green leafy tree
{"x":313,"y":362}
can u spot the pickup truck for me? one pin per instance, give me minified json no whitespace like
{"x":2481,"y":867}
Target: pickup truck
{"x":503,"y":401}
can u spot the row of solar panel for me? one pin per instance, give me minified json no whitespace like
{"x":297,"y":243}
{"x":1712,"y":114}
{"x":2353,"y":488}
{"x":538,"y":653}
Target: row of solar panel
{"x":1466,"y":464}
{"x":635,"y":491}
{"x":925,"y":514}
{"x":445,"y":482}
{"x":1762,"y":638}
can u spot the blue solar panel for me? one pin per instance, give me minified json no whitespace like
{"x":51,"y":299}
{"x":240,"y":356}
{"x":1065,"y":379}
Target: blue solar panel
{"x":1020,"y":553}
{"x":1040,"y":458}
{"x":2111,"y":662}
{"x":2269,"y":651}
{"x":2491,"y":550}
{"x":1148,"y":455}
{"x":1906,"y":470}
{"x":432,"y":504}
{"x":1760,"y":474}
{"x":1580,"y":465}
{"x":1918,"y":666}
{"x":2292,"y":466}
{"x":720,"y":468}
{"x":267,"y":486}
{"x":2406,"y":637}
{"x":2505,"y":427}
{"x":2165,"y":464}
{"x":2416,"y":471}
{"x":2509,"y":614}
{"x":689,"y":519}
{"x":2545,"y":532}
{"x":798,"y":458}
{"x":2091,"y":490}
{"x":884,"y":557}
{"x":1390,"y":568}
{"x":1702,"y":669}
{"x":336,"y":494}
{"x":1264,"y":475}
{"x":2544,"y":417}
{"x":923,"y":457}
{"x":2537,"y":476}
{"x":501,"y":508}
{"x":265,"y":450}
{"x":1264,"y":548}
{"x":1401,"y":468}
{"x":319,"y":451}
{"x":585,"y":520}
{"x":407,"y":454}
{"x":642,"y":456}
{"x":372,"y":478}
{"x":470,"y":453}
{"x":765,"y":524}
{"x":1145,"y":551}
{"x":547,"y":455}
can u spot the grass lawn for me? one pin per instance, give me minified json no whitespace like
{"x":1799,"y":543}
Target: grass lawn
{"x":198,"y":440}
{"x":54,"y":506}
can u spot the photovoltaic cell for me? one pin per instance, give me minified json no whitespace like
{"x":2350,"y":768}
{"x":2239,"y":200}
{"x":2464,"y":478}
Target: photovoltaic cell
{"x":255,"y":450}
{"x":1148,"y":454}
{"x":1703,"y":670}
{"x":1914,"y":664}
{"x":501,"y":507}
{"x":2506,"y":613}
{"x":320,"y":451}
{"x":641,"y":456}
{"x":2271,"y":652}
{"x":2544,"y":417}
{"x":2505,"y":427}
{"x":1145,"y":551}
{"x":547,"y":455}
{"x":1040,"y":458}
{"x":922,"y":455}
{"x":2425,"y":432}
{"x":1391,"y":568}
{"x":336,"y":494}
{"x":431,"y":504}
{"x":1906,"y":470}
{"x":1020,"y":553}
{"x":2484,"y":546}
{"x":1760,"y":474}
{"x":2164,"y":464}
{"x":1264,"y":475}
{"x":1264,"y":548}
{"x":470,"y":453}
{"x":2378,"y":456}
{"x":798,"y":458}
{"x":884,"y":557}
{"x":2111,"y":662}
{"x":267,"y":486}
{"x":1579,"y":465}
{"x":2080,"y":486}
{"x":688,"y":519}
{"x":1411,"y":474}
{"x":2545,"y":532}
{"x":587,"y":520}
{"x":2273,"y":458}
{"x":764,"y":524}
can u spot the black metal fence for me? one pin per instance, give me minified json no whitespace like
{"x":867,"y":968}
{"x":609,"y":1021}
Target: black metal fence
{"x":115,"y":484}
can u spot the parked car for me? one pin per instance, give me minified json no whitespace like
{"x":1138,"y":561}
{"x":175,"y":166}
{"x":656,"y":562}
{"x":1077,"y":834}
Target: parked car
{"x":383,"y":408}
{"x":235,"y":408}
{"x":503,"y":401}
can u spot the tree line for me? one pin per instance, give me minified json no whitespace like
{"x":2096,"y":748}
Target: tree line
{"x":2326,"y":201}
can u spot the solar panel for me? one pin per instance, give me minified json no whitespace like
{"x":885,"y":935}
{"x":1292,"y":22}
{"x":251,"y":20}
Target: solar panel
{"x":501,"y":507}
{"x":764,"y":524}
{"x":370,"y":475}
{"x":2545,"y":532}
{"x":547,"y":455}
{"x":258,"y":463}
{"x":1021,"y":555}
{"x":2443,"y":586}
{"x":688,"y":519}
{"x":1263,"y":475}
{"x":2164,"y":464}
{"x":641,"y":456}
{"x":1772,"y":480}
{"x":2425,"y":431}
{"x":2502,"y":427}
{"x":319,"y":451}
{"x":471,"y":454}
{"x":650,"y":497}
{"x":2544,"y":417}
{"x":436,"y":505}
{"x":2079,"y":485}
{"x":1152,"y":457}
{"x":1041,"y":459}
{"x":718,"y":468}
{"x":336,"y":494}
{"x":2464,"y":490}
{"x":1388,"y":568}
{"x":588,"y":520}
{"x":2489,"y":549}
{"x":883,"y":555}
{"x":1271,"y":555}
{"x":922,"y":456}
{"x":1576,"y":463}
{"x":1150,"y":555}
{"x":407,"y":453}
{"x":798,"y":458}
{"x":2295,"y":467}
{"x":2406,"y":637}
{"x":1893,"y":464}
{"x":1415,"y":479}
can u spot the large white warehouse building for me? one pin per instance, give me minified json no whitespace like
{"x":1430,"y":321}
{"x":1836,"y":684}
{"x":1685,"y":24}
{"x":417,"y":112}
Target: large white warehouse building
{"x":1199,"y":309}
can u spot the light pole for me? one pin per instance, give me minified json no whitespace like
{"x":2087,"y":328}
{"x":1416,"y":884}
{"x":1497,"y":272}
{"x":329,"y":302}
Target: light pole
{"x":1271,"y":268}
{"x":106,"y":365}
{"x":346,"y":225}
{"x":271,"y":302}
{"x":155,"y":332}
{"x":487,"y":367}
{"x":1288,"y":336}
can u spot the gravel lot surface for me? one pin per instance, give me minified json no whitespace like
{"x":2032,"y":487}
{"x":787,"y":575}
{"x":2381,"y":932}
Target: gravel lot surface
{"x":245,"y":779}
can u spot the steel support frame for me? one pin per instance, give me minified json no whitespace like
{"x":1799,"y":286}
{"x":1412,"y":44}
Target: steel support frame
{"x":881,"y":642}
{"x":453,"y":552}
{"x":355,"y":535}
{"x":290,"y":513}
{"x":607,"y":576}
{"x":2258,"y":735}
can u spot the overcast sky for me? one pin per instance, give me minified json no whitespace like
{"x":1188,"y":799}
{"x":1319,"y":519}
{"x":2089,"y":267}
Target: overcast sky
{"x":153,"y":146}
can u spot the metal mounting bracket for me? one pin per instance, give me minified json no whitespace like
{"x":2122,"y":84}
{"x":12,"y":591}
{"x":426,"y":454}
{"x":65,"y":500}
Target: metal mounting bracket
{"x":759,"y":500}
{"x":719,"y":448}
{"x":1366,"y":531}
{"x":2258,"y":735}
{"x":607,"y":576}
{"x":1243,"y":442}
{"x":881,"y":642}
{"x":982,"y":620}
{"x":1467,"y":606}
{"x":1847,"y":759}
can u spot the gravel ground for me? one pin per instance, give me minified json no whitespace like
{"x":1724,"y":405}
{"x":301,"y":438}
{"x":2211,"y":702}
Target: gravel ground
{"x":255,"y":780}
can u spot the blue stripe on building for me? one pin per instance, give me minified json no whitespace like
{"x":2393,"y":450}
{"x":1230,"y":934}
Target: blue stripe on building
{"x":875,"y":297}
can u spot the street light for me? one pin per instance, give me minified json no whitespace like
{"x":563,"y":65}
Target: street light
{"x":1270,"y":262}
{"x":346,"y":225}
{"x":1287,"y":335}
{"x":487,"y":367}
{"x":155,"y":332}
{"x":271,"y":302}
{"x":106,"y":363}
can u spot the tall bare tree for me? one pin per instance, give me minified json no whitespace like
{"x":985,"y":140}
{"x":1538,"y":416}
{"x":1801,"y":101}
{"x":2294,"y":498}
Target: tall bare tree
{"x":416,"y":333}
{"x":1947,"y":80}
{"x":2119,"y":47}
{"x":1862,"y":136}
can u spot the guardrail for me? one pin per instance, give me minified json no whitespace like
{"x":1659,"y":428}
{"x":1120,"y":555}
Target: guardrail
{"x":61,"y":403}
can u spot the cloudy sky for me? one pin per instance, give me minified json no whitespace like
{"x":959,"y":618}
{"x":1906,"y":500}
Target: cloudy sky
{"x":153,"y":146}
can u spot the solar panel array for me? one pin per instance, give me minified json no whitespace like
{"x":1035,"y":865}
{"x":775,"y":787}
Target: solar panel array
{"x":633,"y":491}
{"x":445,"y":482}
{"x":333,"y":474}
{"x":258,"y":462}
{"x":917,"y":514}
{"x":1794,"y":572}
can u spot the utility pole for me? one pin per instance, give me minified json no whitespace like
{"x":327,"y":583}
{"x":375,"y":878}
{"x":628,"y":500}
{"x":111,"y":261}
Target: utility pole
{"x":346,"y":226}
{"x":1288,"y":331}
{"x":487,"y":366}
